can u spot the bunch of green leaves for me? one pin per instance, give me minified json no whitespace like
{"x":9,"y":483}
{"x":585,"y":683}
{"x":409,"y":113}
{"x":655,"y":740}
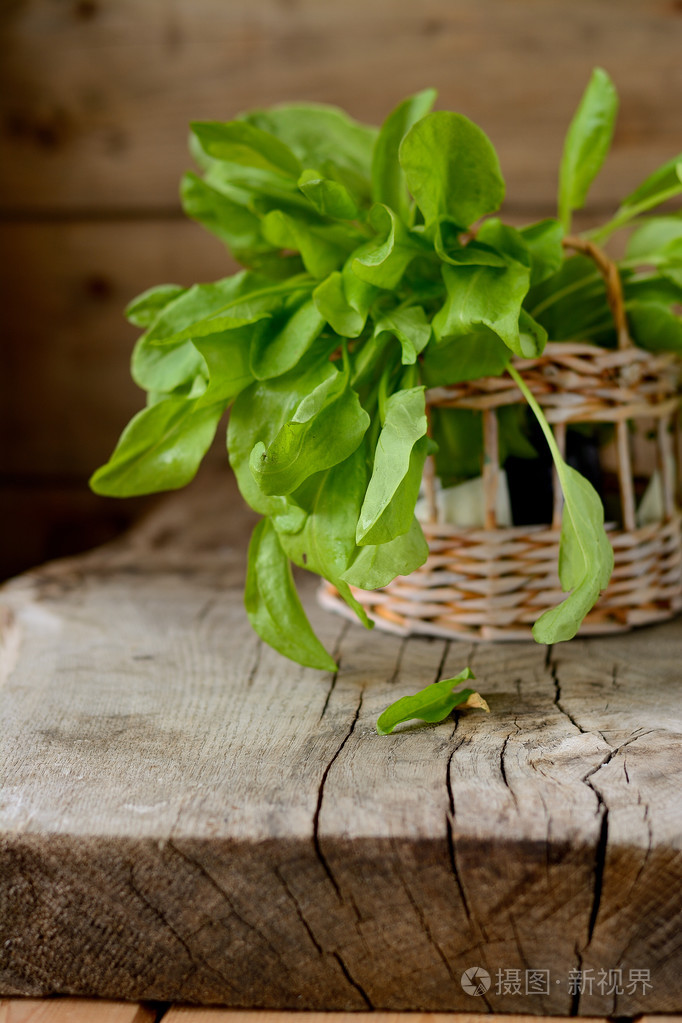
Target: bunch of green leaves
{"x":374,"y":265}
{"x":572,"y":303}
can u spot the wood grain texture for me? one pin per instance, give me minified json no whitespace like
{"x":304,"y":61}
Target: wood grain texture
{"x":185,"y":1014}
{"x":185,"y":816}
{"x":96,"y":97}
{"x":66,"y":387}
{"x":72,"y":1010}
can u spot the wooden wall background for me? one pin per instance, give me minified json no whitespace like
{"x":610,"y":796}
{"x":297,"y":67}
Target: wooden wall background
{"x":95,"y":96}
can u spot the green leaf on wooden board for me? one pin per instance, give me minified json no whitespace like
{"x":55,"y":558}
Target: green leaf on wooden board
{"x":433,"y":703}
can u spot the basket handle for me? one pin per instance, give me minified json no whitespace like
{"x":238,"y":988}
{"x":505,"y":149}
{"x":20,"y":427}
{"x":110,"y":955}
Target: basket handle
{"x":614,"y":286}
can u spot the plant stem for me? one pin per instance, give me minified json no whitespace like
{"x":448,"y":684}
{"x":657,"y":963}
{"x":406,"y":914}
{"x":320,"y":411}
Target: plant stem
{"x":539,"y":415}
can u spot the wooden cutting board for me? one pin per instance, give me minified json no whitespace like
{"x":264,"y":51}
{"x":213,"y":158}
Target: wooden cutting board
{"x":185,"y":816}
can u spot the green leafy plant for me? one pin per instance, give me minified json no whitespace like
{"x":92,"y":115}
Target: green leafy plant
{"x":375,"y":265}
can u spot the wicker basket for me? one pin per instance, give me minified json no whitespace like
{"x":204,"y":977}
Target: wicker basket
{"x":493,"y":583}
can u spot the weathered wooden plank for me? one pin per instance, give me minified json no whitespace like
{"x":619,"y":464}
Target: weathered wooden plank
{"x":72,"y":1010}
{"x":50,"y":519}
{"x":66,"y":387}
{"x":185,"y":1014}
{"x":186,"y":817}
{"x":96,"y":98}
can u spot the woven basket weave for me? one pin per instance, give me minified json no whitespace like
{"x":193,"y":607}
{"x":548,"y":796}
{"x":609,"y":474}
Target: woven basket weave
{"x":494,"y":583}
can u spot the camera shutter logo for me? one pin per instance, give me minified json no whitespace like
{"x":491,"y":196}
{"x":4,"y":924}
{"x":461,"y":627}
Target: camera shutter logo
{"x":475,"y":980}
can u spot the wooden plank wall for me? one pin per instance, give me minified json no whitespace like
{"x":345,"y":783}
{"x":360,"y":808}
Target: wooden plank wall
{"x":95,"y":97}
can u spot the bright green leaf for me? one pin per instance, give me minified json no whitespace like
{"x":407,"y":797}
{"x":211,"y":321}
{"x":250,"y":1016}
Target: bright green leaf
{"x":411,"y":328}
{"x":466,"y":357}
{"x":397,"y":460}
{"x":323,"y":247}
{"x":330,"y":198}
{"x":321,"y":136}
{"x":451,"y":168}
{"x":383,"y":263}
{"x":272,"y":603}
{"x":326,"y":427}
{"x":376,"y":565}
{"x":483,"y":296}
{"x":433,"y":703}
{"x":587,"y":142}
{"x":331,"y":302}
{"x":242,"y":143}
{"x":232,"y":222}
{"x":388,"y":178}
{"x":145,"y":308}
{"x":280,"y":346}
{"x":160,"y":449}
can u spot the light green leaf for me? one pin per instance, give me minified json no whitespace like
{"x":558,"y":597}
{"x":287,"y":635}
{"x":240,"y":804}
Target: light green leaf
{"x":505,"y":240}
{"x":375,"y":565}
{"x":383,"y":263}
{"x":326,"y":427}
{"x":242,"y":143}
{"x":163,"y":369}
{"x":411,"y":328}
{"x":326,"y":543}
{"x":451,"y":168}
{"x":160,"y":449}
{"x":465,"y":357}
{"x":655,"y":326}
{"x":321,"y":136}
{"x":388,"y":178}
{"x":330,"y":198}
{"x":434,"y":703}
{"x":331,"y":302}
{"x":388,"y":508}
{"x":232,"y":222}
{"x":227,"y":359}
{"x":212,"y":308}
{"x":451,"y":249}
{"x":663,"y":184}
{"x":145,"y":308}
{"x":544,"y":246}
{"x":279,"y":347}
{"x":484,"y":296}
{"x":273,"y":605}
{"x":655,"y":239}
{"x":323,"y":247}
{"x":261,"y":411}
{"x":587,"y":142}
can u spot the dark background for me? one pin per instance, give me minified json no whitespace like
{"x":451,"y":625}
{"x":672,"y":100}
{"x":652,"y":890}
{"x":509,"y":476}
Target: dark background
{"x":95,"y":98}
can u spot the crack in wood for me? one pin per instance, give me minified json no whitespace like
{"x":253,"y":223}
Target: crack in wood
{"x":223,"y":894}
{"x":196,"y":964}
{"x":299,"y":912}
{"x":450,"y":817}
{"x":351,"y":980}
{"x":336,"y":654}
{"x":320,"y":796}
{"x":503,"y":769}
{"x":336,"y":955}
{"x":421,"y":916}
{"x":575,"y":995}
